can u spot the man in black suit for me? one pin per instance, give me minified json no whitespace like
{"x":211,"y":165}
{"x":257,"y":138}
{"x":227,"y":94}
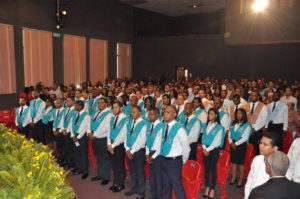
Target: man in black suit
{"x":278,"y":187}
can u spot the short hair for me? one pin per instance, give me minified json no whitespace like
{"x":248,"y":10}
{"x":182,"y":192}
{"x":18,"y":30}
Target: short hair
{"x":274,"y":137}
{"x":236,"y":96}
{"x":23,"y":98}
{"x":279,"y":163}
{"x":104,"y":98}
{"x":155,"y":109}
{"x":137,"y":107}
{"x":80,"y":103}
{"x":71,"y":97}
{"x":120,"y":104}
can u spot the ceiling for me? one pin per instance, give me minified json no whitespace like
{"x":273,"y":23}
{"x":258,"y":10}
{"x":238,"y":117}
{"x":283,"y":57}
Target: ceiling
{"x":178,"y":7}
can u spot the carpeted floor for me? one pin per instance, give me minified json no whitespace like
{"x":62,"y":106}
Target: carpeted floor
{"x":86,"y":189}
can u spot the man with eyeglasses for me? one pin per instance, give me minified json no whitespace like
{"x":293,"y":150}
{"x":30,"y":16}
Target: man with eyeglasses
{"x":258,"y":175}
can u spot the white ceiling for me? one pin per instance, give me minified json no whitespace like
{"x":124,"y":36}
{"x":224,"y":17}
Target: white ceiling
{"x":177,"y":7}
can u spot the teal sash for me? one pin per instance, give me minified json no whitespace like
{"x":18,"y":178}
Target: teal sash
{"x":274,"y":114}
{"x":208,"y":137}
{"x":47,"y":116}
{"x":127,"y":110}
{"x":96,"y":123}
{"x":34,"y":108}
{"x":141,"y":104}
{"x":167,"y":144}
{"x":151,"y":136}
{"x":198,"y":112}
{"x":222,"y":113}
{"x":78,"y":123}
{"x":131,"y":137}
{"x":58,"y":119}
{"x":115,"y":132}
{"x":180,"y":116}
{"x":93,"y":105}
{"x":236,"y":135}
{"x":190,"y":124}
{"x":20,"y":119}
{"x":67,"y":119}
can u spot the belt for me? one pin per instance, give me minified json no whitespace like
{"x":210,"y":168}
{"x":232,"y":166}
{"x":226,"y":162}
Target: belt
{"x":173,"y":158}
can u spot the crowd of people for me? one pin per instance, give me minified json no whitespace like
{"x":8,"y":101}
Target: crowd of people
{"x":162,"y":122}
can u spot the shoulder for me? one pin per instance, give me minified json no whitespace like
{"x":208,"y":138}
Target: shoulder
{"x":259,"y":159}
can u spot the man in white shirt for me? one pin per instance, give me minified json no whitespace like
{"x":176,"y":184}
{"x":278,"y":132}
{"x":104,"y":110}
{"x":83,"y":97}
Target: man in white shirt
{"x":153,"y":144}
{"x":135,"y":151}
{"x":224,"y":117}
{"x":56,"y":90}
{"x":175,"y":151}
{"x":180,"y":107}
{"x":277,"y":117}
{"x":288,"y":97}
{"x":205,"y":101}
{"x":22,"y":117}
{"x":293,"y":172}
{"x":115,"y":145}
{"x":99,"y":129}
{"x":258,"y":175}
{"x":80,"y":125}
{"x":236,"y":104}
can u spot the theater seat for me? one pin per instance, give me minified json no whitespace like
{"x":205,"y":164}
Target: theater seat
{"x":223,"y":170}
{"x":287,"y":141}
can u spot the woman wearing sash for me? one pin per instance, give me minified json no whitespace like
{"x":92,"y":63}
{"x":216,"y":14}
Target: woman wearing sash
{"x":166,"y":101}
{"x":47,"y":122}
{"x":149,"y":104}
{"x":212,"y":140}
{"x":239,"y":133}
{"x":200,"y":113}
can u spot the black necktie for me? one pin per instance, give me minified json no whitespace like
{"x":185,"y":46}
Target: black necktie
{"x":236,"y":107}
{"x":77,"y":118}
{"x":151,"y":129}
{"x":21,"y":112}
{"x":274,"y":106}
{"x":116,"y":120}
{"x":97,"y":116}
{"x":57,"y":113}
{"x":34,"y":103}
{"x":67,"y":113}
{"x":178,"y":108}
{"x":132,"y":127}
{"x":252,"y":109}
{"x":166,"y":133}
{"x":186,"y":121}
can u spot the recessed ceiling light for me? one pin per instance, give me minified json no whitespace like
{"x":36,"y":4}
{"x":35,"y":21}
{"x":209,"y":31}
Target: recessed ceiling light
{"x":195,"y":5}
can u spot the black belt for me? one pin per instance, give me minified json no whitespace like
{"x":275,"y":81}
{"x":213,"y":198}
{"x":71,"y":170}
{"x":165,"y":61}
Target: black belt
{"x":173,"y":158}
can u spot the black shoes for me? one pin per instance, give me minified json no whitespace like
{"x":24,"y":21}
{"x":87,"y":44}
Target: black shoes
{"x":84,"y":176}
{"x":128,"y":193}
{"x":76,"y":173}
{"x":118,"y":189}
{"x":104,"y":182}
{"x":112,"y":187}
{"x":234,"y":182}
{"x":96,"y":178}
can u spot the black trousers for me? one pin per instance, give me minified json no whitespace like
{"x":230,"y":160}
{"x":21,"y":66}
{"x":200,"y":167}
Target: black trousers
{"x":25,"y":131}
{"x":81,"y":155}
{"x":172,"y":177}
{"x":156,"y":178}
{"x":38,"y":133}
{"x":210,"y":167}
{"x":277,"y":128}
{"x":103,"y":159}
{"x":61,"y":146}
{"x":69,"y":149}
{"x":118,"y":165}
{"x":193,"y":152}
{"x":137,"y":173}
{"x":255,"y":139}
{"x":48,"y":132}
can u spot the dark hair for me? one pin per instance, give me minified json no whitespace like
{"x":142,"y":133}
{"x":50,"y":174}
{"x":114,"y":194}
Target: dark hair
{"x":167,"y":96}
{"x":236,"y":96}
{"x":104,"y":98}
{"x":112,"y":99}
{"x":71,"y":97}
{"x":24,"y":98}
{"x":274,"y":137}
{"x":26,"y":90}
{"x":124,"y":99}
{"x":80,"y":103}
{"x":216,"y":112}
{"x":118,"y":103}
{"x":137,"y":107}
{"x":155,"y":110}
{"x":152,"y":101}
{"x":244,"y":118}
{"x":200,"y":101}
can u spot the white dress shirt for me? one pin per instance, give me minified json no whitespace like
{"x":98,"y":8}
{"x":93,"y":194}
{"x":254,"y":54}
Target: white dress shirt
{"x":217,"y":140}
{"x":103,"y":129}
{"x":285,"y":100}
{"x":46,"y":112}
{"x":140,"y":141}
{"x":293,"y":172}
{"x":121,"y":137}
{"x":61,"y":122}
{"x":68,"y":129}
{"x":195,"y":130}
{"x":84,"y":126}
{"x":227,"y":103}
{"x":257,"y":175}
{"x":180,"y":144}
{"x":27,"y":118}
{"x":225,"y":121}
{"x":262,"y":117}
{"x":202,"y":117}
{"x":206,"y":107}
{"x":244,"y":137}
{"x":157,"y":142}
{"x":39,"y":112}
{"x":282,"y":115}
{"x":181,"y":108}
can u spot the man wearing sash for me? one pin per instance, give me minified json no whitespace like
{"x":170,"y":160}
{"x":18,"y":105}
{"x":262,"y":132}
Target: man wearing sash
{"x":22,"y":117}
{"x":135,"y":141}
{"x":153,"y":144}
{"x":175,"y":151}
{"x":115,"y":145}
{"x":277,"y":117}
{"x":99,"y":129}
{"x":36,"y":108}
{"x":224,"y":117}
{"x":93,"y":102}
{"x":205,"y":101}
{"x":180,"y":107}
{"x":133,"y":101}
{"x":80,"y":125}
{"x":192,"y":126}
{"x":257,"y":116}
{"x":236,"y":105}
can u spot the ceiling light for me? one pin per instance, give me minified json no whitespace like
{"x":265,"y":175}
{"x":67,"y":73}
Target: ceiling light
{"x":260,"y":5}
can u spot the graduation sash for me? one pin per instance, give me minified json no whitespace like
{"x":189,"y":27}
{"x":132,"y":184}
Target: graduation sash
{"x":115,"y":132}
{"x":58,"y":119}
{"x":46,"y":116}
{"x":168,"y":142}
{"x":96,"y":123}
{"x":190,"y":124}
{"x":236,"y":135}
{"x":151,"y":136}
{"x":222,"y":113}
{"x":93,"y":105}
{"x":208,"y":137}
{"x":198,"y":112}
{"x":34,"y":107}
{"x":77,"y":124}
{"x":21,"y":118}
{"x":127,"y":110}
{"x":131,"y":137}
{"x":274,"y":114}
{"x":67,"y":118}
{"x":180,"y":116}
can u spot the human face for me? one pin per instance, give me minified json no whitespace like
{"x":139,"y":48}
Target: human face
{"x":133,"y":100}
{"x":135,"y":114}
{"x":223,"y":94}
{"x":239,"y":115}
{"x":188,"y":109}
{"x":78,"y":108}
{"x":212,"y":116}
{"x":116,"y":109}
{"x":70,"y":102}
{"x":153,"y":116}
{"x":139,"y":95}
{"x":169,"y":114}
{"x":236,"y":101}
{"x":78,"y":94}
{"x":254,"y":97}
{"x":22,"y":102}
{"x":180,"y":100}
{"x":217,"y":103}
{"x":196,"y":104}
{"x":58,"y":103}
{"x":35,"y":94}
{"x":165,"y":100}
{"x":291,"y":106}
{"x":265,"y":146}
{"x":102,"y":104}
{"x":201,"y":94}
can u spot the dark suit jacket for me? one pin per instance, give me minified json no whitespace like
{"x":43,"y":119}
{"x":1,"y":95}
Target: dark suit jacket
{"x":276,"y":188}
